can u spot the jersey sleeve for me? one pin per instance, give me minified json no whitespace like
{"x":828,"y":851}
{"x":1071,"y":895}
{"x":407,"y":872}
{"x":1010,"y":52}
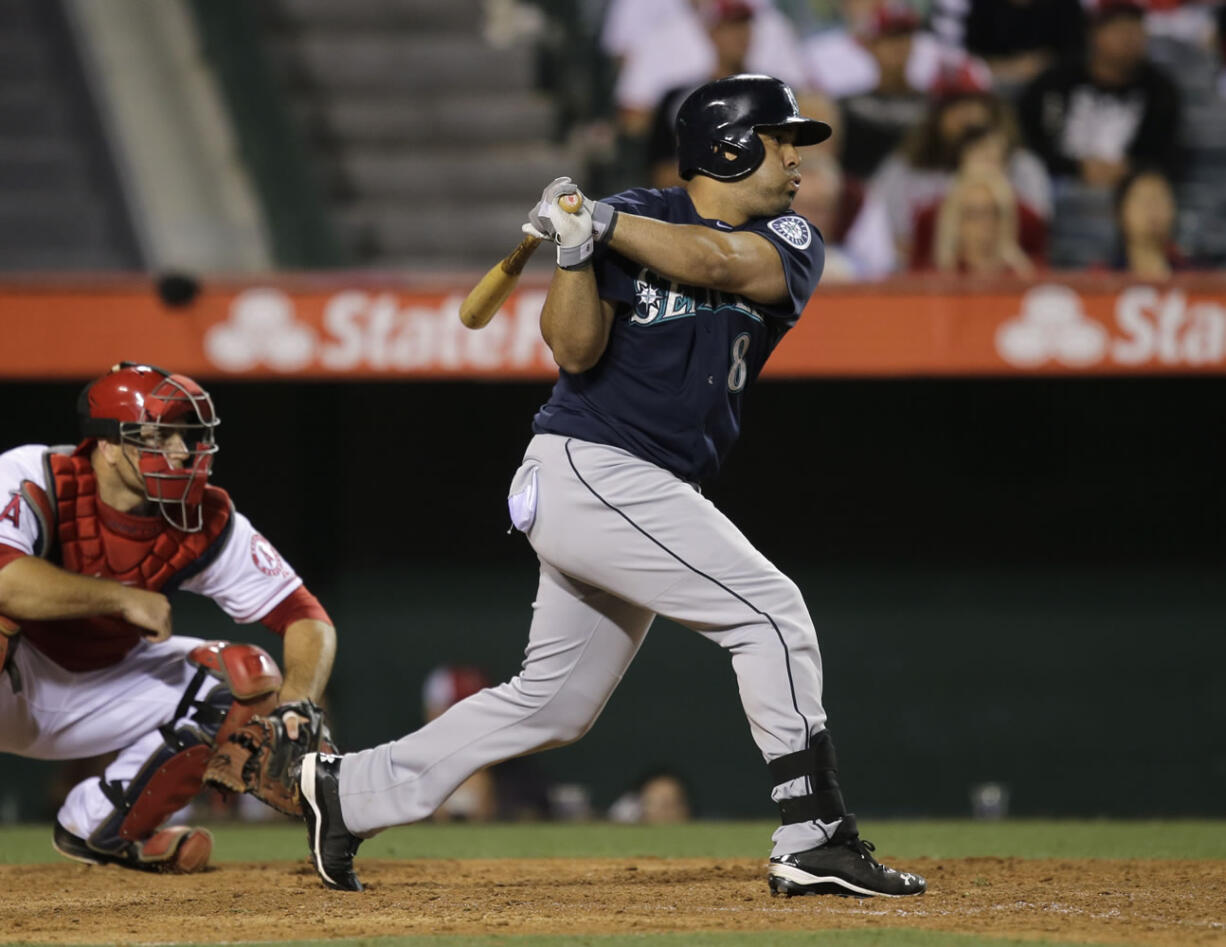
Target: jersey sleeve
{"x":615,"y":275}
{"x":248,"y":578}
{"x":20,"y":528}
{"x":803,"y":254}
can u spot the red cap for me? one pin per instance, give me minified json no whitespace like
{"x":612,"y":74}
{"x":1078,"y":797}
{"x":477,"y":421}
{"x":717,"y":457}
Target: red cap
{"x":1110,"y":9}
{"x":714,"y":12}
{"x":890,"y":18}
{"x":955,"y":81}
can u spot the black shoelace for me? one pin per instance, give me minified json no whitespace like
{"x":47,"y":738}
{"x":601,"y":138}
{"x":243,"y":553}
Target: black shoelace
{"x":862,"y":847}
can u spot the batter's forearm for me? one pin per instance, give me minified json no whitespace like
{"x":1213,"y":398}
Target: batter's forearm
{"x":32,"y":589}
{"x":309,"y":650}
{"x":743,"y":263}
{"x":697,"y":256}
{"x":573,"y":323}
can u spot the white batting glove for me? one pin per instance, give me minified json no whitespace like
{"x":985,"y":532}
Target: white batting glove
{"x":539,"y":225}
{"x":604,"y":219}
{"x":531,"y":230}
{"x":573,"y":235}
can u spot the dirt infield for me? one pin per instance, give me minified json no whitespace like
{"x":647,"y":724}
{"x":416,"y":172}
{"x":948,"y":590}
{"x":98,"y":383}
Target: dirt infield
{"x":1142,"y":902}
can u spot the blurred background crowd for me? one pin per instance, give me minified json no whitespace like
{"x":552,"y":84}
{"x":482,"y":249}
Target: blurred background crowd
{"x":974,"y":136}
{"x":980,"y":136}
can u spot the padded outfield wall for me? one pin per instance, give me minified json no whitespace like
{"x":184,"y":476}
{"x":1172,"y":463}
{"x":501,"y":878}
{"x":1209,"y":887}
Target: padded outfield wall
{"x":1015,"y":580}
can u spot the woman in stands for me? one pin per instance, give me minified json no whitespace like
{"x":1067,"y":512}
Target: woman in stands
{"x":915,"y":179}
{"x":976,"y":231}
{"x":1145,"y":212}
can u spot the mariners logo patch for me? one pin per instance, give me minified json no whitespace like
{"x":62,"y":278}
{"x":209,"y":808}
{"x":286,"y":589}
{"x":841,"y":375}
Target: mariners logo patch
{"x":795,"y":230}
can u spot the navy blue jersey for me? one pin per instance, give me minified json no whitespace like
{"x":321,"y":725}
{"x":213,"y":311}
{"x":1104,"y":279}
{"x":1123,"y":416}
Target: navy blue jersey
{"x":668,"y":387}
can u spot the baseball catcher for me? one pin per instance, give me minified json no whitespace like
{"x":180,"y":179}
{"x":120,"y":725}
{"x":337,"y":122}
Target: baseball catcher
{"x":94,"y":538}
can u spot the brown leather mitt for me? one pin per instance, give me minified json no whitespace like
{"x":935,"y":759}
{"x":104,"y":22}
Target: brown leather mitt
{"x":258,"y":757}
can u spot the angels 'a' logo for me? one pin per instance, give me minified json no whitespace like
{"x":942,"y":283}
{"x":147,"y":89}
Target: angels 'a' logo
{"x":795,"y":230}
{"x":266,"y":558}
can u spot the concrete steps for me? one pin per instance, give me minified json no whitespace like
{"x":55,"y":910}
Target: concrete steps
{"x":58,"y":208}
{"x":482,"y":119}
{"x":430,"y":143}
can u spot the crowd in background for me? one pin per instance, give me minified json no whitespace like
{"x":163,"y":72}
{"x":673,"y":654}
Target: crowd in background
{"x":971,"y":136}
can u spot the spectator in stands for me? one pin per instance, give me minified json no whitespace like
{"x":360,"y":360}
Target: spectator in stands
{"x":660,"y":797}
{"x":918,"y":175}
{"x":1021,"y":38}
{"x":839,"y":64}
{"x":1096,"y":117}
{"x":1145,"y":215}
{"x":875,"y":120}
{"x":729,"y":25}
{"x":985,"y":150}
{"x":511,"y":790}
{"x":628,"y":23}
{"x":976,"y":231}
{"x":678,"y":51}
{"x":849,"y":237}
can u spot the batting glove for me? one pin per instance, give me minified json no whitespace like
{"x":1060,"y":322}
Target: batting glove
{"x":573,"y":235}
{"x":604,"y":219}
{"x":539,"y":225}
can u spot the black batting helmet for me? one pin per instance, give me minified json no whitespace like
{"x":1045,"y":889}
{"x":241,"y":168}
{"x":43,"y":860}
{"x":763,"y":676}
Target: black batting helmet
{"x":724,"y":116}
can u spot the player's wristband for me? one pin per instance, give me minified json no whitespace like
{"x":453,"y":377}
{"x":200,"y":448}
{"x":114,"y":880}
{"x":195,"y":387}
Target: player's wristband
{"x":604,"y":219}
{"x":573,"y":258}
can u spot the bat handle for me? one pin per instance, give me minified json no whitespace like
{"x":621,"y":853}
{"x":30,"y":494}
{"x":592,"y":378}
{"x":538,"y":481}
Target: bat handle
{"x":515,"y":261}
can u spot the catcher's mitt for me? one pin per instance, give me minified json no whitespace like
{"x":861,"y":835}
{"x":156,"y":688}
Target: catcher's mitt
{"x":258,"y":757}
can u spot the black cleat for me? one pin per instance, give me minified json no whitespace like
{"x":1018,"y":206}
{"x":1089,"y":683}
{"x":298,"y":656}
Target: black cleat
{"x":844,"y":866}
{"x":332,"y":845}
{"x":71,"y":846}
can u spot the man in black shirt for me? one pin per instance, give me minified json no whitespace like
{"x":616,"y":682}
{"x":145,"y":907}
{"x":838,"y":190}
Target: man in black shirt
{"x":1101,"y":116}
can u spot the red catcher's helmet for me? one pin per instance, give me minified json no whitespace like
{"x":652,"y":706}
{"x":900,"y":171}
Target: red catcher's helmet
{"x":146,"y":407}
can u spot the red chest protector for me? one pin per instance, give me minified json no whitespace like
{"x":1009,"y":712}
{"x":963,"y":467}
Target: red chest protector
{"x":84,"y":535}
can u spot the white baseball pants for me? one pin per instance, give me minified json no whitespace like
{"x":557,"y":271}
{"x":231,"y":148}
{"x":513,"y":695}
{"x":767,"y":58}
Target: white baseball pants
{"x":65,"y":715}
{"x":620,"y":541}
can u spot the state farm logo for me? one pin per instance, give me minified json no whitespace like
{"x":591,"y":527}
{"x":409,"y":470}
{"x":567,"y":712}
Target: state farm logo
{"x":261,"y":328}
{"x":1149,"y":327}
{"x":1051,"y":327}
{"x":373,"y":332}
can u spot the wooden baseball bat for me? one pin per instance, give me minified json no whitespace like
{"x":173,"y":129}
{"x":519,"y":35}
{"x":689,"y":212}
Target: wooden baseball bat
{"x":492,"y":290}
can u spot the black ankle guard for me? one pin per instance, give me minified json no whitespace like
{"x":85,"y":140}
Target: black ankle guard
{"x":819,"y":766}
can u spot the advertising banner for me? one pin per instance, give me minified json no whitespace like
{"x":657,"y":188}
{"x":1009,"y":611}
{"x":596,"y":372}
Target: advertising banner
{"x":355,"y":326}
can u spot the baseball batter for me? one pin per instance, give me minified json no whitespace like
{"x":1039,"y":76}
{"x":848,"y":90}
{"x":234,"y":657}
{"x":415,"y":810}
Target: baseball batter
{"x":664,"y":308}
{"x":93,"y":540}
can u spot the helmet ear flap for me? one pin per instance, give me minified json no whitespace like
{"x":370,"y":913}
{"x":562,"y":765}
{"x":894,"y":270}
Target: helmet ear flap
{"x":731,"y":160}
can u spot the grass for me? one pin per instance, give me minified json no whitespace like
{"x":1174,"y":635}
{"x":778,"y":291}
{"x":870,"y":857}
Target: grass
{"x":1022,"y":838}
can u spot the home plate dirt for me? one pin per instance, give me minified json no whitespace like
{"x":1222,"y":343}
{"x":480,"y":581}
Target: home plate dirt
{"x":1098,"y":901}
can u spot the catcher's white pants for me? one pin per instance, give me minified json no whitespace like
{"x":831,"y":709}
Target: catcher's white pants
{"x":65,"y":715}
{"x":619,"y":540}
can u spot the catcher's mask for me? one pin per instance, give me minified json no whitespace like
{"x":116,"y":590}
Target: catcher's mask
{"x":146,"y":407}
{"x":718,"y":124}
